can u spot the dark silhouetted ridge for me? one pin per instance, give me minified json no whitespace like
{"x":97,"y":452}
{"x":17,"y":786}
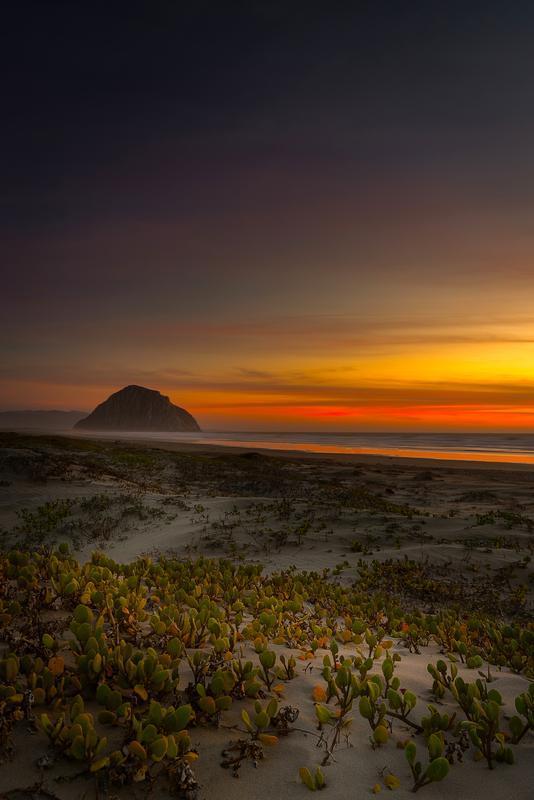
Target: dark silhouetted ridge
{"x":136,"y":408}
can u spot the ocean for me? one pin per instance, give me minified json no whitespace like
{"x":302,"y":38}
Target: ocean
{"x":502,"y":447}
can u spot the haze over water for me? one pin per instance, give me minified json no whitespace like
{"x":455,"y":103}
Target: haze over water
{"x":499,"y":447}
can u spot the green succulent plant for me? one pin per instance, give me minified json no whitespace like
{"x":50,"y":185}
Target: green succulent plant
{"x":437,"y":767}
{"x":484,"y":728}
{"x":520,"y":725}
{"x":134,"y":630}
{"x":314,"y":781}
{"x":258,"y":723}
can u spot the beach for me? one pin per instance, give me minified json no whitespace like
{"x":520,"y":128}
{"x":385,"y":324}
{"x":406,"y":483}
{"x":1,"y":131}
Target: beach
{"x":436,"y":535}
{"x":514,"y":448}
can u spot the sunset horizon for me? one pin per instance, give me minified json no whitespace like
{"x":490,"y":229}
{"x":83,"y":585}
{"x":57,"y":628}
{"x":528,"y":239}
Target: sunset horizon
{"x":475,"y":377}
{"x":282,"y":218}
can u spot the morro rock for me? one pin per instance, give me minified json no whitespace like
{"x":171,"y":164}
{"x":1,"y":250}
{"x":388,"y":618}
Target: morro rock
{"x":135,"y":408}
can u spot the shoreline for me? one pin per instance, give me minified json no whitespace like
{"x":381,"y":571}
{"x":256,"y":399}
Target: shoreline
{"x":408,"y":458}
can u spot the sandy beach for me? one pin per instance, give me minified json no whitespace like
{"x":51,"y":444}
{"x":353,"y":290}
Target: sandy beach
{"x":435,"y":536}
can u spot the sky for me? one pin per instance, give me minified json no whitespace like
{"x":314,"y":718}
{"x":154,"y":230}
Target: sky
{"x":283,"y":215}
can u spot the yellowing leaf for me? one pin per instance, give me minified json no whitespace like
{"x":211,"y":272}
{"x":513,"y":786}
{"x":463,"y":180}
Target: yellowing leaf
{"x":306,"y":778}
{"x":268,"y":739}
{"x":391,"y":781}
{"x":323,"y":714}
{"x":307,"y":655}
{"x":141,"y":692}
{"x":380,"y":734}
{"x":137,"y":749}
{"x":99,"y":764}
{"x":56,"y":665}
{"x":319,"y":694}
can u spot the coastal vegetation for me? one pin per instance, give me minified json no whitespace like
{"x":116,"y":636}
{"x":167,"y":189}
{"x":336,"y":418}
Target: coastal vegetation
{"x":118,"y":665}
{"x":308,"y":614}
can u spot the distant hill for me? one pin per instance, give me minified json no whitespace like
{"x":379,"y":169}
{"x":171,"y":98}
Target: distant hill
{"x":45,"y":420}
{"x":136,"y":408}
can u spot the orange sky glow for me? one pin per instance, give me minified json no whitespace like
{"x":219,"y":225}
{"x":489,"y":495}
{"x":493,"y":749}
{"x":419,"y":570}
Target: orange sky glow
{"x":417,"y":375}
{"x":285,"y":219}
